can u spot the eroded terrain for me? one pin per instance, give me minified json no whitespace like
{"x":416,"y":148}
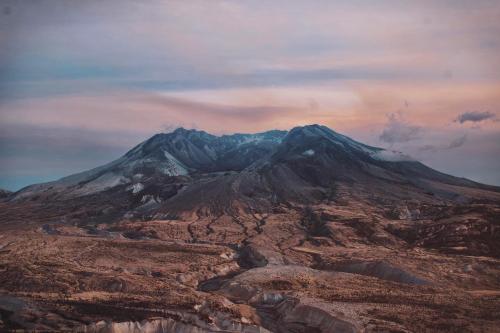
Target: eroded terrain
{"x":348,"y":267}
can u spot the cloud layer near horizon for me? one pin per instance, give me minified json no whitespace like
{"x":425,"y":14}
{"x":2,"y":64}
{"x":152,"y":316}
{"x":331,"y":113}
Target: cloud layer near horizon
{"x":101,"y":76}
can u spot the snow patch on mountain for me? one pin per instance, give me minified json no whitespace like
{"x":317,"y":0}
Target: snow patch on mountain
{"x":136,"y":188}
{"x":101,"y":183}
{"x":255,"y":138}
{"x":172,"y":166}
{"x":137,"y":176}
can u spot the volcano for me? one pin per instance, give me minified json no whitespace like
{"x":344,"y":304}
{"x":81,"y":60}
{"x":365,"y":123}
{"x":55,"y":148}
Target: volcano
{"x":190,"y":170}
{"x":304,"y":230}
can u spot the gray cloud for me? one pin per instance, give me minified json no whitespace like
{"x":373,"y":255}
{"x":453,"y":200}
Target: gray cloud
{"x":474,"y":116}
{"x":62,"y":47}
{"x":428,"y":148}
{"x":455,"y":143}
{"x":458,"y":142}
{"x":478,"y":159}
{"x":399,"y":131}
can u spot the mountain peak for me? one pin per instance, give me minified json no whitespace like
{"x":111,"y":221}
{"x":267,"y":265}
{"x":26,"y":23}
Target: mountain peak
{"x":182,"y":130}
{"x":310,"y":127}
{"x":185,"y":131}
{"x":313,"y":130}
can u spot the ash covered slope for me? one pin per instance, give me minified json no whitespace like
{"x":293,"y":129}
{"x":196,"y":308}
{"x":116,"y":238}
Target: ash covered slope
{"x":193,"y":171}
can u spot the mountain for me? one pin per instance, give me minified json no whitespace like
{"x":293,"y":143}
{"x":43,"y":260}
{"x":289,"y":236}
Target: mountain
{"x":189,"y":170}
{"x":294,"y":231}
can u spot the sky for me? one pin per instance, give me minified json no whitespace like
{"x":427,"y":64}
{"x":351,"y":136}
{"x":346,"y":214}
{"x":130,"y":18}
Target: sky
{"x":81,"y":82}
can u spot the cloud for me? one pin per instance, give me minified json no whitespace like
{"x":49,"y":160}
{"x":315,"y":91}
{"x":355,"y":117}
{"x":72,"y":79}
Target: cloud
{"x":147,"y":113}
{"x":455,"y":143}
{"x":477,"y":159}
{"x":458,"y":142}
{"x":428,"y":148}
{"x":474,"y":116}
{"x":55,"y":46}
{"x":399,"y":131}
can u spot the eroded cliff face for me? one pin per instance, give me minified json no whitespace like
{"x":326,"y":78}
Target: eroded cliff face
{"x":152,"y":325}
{"x":162,"y":325}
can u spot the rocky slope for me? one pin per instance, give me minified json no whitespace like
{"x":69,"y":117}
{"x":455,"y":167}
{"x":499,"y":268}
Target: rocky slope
{"x":4,"y":193}
{"x":299,"y":231}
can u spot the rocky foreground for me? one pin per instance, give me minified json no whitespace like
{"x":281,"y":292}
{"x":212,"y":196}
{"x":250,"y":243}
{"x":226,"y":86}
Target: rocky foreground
{"x":349,"y":268}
